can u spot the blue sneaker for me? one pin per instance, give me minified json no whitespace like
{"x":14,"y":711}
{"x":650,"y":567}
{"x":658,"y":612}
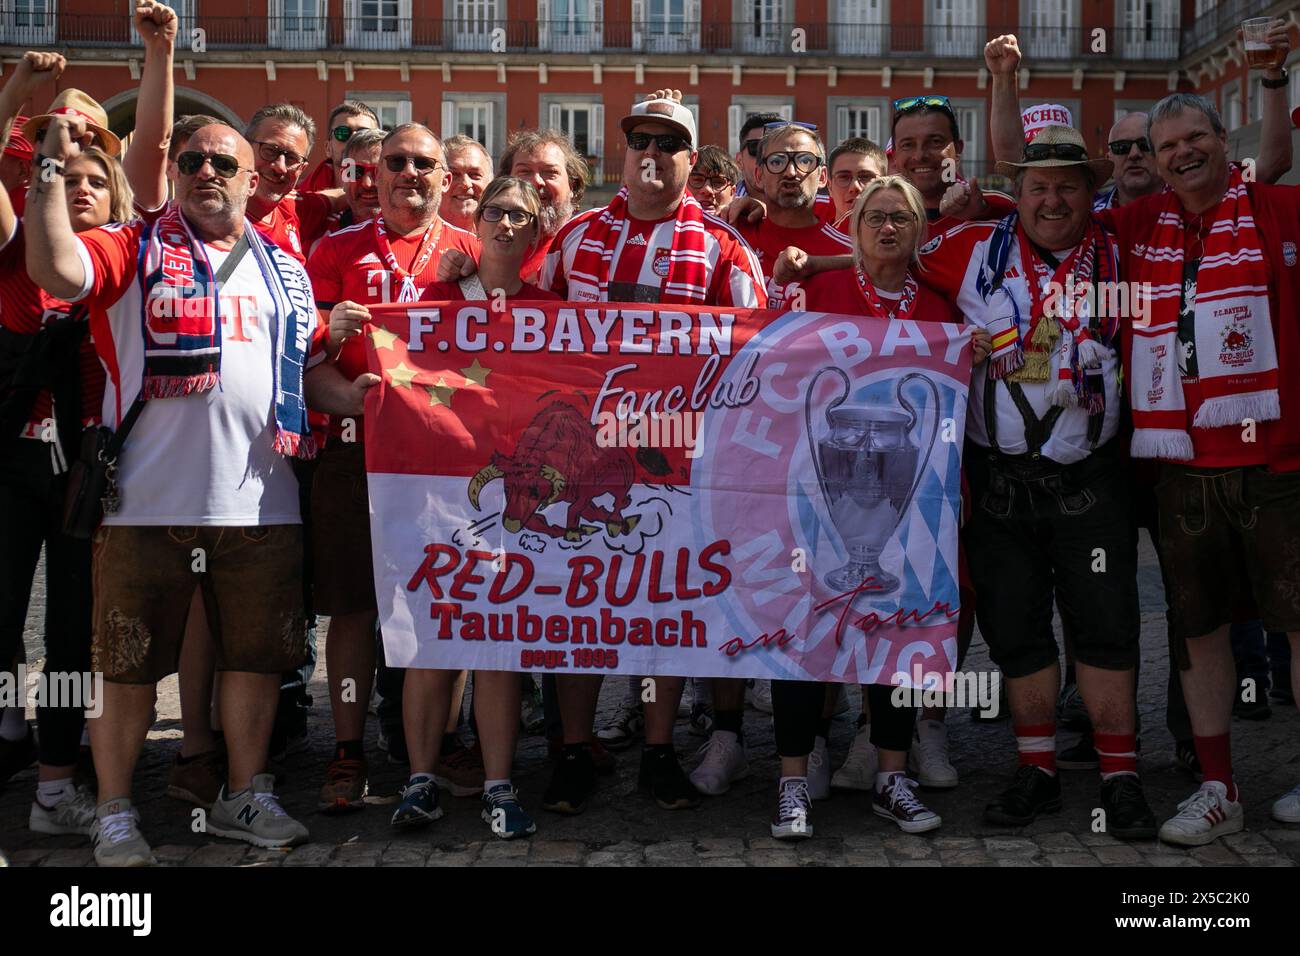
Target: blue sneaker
{"x":502,"y":812}
{"x":419,"y":806}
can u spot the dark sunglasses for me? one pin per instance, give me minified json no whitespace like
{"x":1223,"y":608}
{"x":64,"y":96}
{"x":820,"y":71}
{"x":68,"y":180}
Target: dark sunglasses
{"x":911,"y":103}
{"x":270,"y":153}
{"x":354,"y":172}
{"x":667,"y":142}
{"x":191,"y":161}
{"x":1120,"y":147}
{"x":516,"y":217}
{"x":1036,"y":152}
{"x":422,"y":164}
{"x":343,"y":133}
{"x":804,"y":161}
{"x":751,"y":146}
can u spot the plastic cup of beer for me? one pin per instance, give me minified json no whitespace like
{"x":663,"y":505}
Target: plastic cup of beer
{"x":1260,"y":54}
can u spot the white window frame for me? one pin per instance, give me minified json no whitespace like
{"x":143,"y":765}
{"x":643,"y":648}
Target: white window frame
{"x":846,"y":127}
{"x":451,"y":120}
{"x":30,"y":37}
{"x":742,"y":106}
{"x":1233,"y":113}
{"x":313,"y":37}
{"x":762,"y":26}
{"x":359,"y":39}
{"x":972,"y":124}
{"x":953,"y":36}
{"x":558,"y":36}
{"x":1130,"y":20}
{"x":858,"y":31}
{"x":1046,"y":26}
{"x":380,"y":101}
{"x":595,"y":111}
{"x":473,"y":21}
{"x":644,"y":39}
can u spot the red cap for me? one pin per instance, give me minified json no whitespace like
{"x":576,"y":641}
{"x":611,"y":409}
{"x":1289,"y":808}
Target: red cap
{"x":19,"y":146}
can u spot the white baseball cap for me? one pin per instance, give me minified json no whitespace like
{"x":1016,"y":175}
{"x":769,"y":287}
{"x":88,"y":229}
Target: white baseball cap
{"x":1035,"y":118}
{"x":669,"y":112}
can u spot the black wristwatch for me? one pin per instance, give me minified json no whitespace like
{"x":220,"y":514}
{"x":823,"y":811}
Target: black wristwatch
{"x":1277,"y":84}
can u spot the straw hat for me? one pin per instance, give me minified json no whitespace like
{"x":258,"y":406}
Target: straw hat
{"x":76,"y":103}
{"x":1061,"y":136}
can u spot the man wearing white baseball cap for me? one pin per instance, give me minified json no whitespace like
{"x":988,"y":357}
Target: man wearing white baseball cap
{"x":652,"y":243}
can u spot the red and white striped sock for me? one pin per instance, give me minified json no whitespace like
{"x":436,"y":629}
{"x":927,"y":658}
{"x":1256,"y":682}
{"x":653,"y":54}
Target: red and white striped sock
{"x":1118,"y":753}
{"x":1036,"y":745}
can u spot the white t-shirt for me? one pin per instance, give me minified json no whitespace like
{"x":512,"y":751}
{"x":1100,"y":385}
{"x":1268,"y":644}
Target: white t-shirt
{"x":207,"y":458}
{"x":950,"y":263}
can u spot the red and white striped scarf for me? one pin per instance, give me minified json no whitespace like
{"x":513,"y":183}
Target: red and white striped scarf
{"x":1235,"y":352}
{"x":687,"y":281}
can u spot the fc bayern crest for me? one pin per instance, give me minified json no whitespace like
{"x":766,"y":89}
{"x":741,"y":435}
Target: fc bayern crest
{"x":660,"y":263}
{"x":1288,"y":253}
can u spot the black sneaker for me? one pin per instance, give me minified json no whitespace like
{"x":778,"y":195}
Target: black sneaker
{"x":662,"y":777}
{"x":1128,"y":815}
{"x":1082,"y":756}
{"x":1281,"y":692}
{"x":1252,"y":710}
{"x":1071,"y":713}
{"x":17,"y":755}
{"x":392,"y":741}
{"x":1185,"y":757}
{"x":574,"y":782}
{"x":1032,"y":792}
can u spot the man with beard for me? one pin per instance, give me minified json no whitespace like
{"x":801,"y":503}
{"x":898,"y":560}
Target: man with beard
{"x":281,"y":136}
{"x":653,"y":243}
{"x":546,"y":158}
{"x":359,"y":169}
{"x":471,"y":170}
{"x":217,"y":413}
{"x":390,"y":258}
{"x":346,"y":120}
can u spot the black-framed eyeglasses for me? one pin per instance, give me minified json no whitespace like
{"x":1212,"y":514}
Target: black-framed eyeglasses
{"x":716,"y":183}
{"x":900,"y":220}
{"x":270,"y":153}
{"x":667,"y":142}
{"x":1072,"y":152}
{"x":423,"y":164}
{"x":1120,"y":147}
{"x":910,"y":103}
{"x":223,"y":164}
{"x":343,"y":133}
{"x":516,"y":217}
{"x":804,"y":162}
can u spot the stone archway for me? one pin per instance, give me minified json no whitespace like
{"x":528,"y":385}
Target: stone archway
{"x":122,"y":106}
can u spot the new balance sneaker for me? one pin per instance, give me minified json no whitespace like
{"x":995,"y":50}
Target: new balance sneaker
{"x":1204,"y":817}
{"x":255,"y":816}
{"x":1128,"y":815}
{"x":896,"y":801}
{"x":419,"y":804}
{"x":662,"y":777}
{"x":73,"y":815}
{"x":928,"y":758}
{"x":574,"y":781}
{"x":1071,"y":713}
{"x":1032,"y":792}
{"x":819,"y":770}
{"x":793,"y":817}
{"x":627,"y":728}
{"x":116,"y":837}
{"x":1185,"y":757}
{"x":345,"y":787}
{"x":722,"y":765}
{"x":502,"y":812}
{"x":1287,"y":808}
{"x":760,"y":696}
{"x":858,"y":772}
{"x":1082,"y":756}
{"x":197,"y":780}
{"x":461,"y":771}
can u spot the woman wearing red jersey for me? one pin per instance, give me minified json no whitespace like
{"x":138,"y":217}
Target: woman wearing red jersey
{"x":44,"y":405}
{"x":888,"y":226}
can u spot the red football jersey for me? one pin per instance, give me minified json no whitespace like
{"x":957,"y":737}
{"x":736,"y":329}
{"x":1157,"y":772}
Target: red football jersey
{"x":297,"y":222}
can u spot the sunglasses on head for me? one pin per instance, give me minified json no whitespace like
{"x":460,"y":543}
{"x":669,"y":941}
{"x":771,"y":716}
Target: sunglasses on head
{"x":343,"y":133}
{"x":1120,"y":147}
{"x":516,"y":217}
{"x":191,"y":161}
{"x":422,"y":164}
{"x":910,"y":104}
{"x":1036,"y":152}
{"x":270,"y":153}
{"x":777,"y":124}
{"x":667,"y":142}
{"x":804,"y":161}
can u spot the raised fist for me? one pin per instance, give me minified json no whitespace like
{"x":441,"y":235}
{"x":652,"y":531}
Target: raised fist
{"x":156,"y":23}
{"x":33,"y":71}
{"x":1002,"y":54}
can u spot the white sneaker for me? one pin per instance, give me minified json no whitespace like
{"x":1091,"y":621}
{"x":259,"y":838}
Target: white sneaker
{"x":819,"y":770}
{"x":1287,"y":809}
{"x":116,"y":836}
{"x":928,"y":758}
{"x":255,"y":816}
{"x":1204,"y":817}
{"x":760,"y":696}
{"x":724,"y":763}
{"x":74,"y":815}
{"x":858,"y":771}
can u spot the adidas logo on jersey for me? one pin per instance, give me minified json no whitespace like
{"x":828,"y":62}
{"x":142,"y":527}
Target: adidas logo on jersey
{"x":367,"y":259}
{"x":637,"y":240}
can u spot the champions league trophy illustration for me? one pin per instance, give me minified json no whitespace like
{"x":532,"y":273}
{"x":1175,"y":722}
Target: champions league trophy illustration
{"x":869,"y":470}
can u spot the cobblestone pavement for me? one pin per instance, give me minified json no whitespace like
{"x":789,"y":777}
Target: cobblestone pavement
{"x":623,"y":828}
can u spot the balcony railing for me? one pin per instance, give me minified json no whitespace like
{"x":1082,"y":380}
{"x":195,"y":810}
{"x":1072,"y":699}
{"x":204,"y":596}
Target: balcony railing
{"x":1224,"y":18}
{"x":884,"y":41}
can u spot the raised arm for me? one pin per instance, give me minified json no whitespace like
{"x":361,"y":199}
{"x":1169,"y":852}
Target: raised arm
{"x":145,"y":162}
{"x":33,"y":71}
{"x":52,"y":259}
{"x":1002,"y":56}
{"x":1274,"y":160}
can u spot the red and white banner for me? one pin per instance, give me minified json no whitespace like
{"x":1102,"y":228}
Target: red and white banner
{"x":666,"y":490}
